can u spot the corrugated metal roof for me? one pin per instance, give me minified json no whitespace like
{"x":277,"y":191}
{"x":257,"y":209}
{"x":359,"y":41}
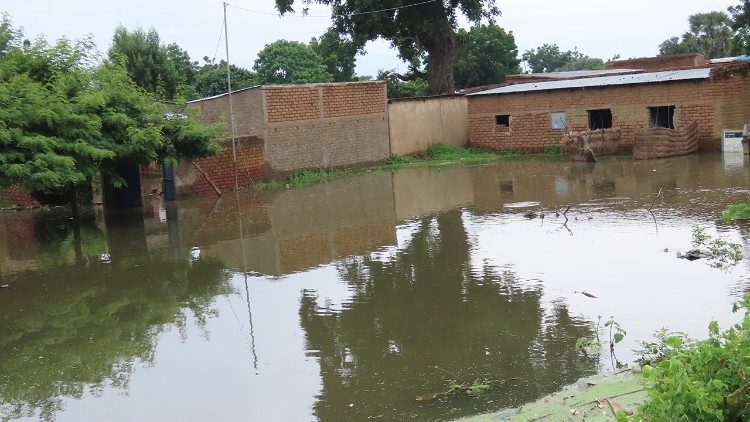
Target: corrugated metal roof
{"x":629,"y":79}
{"x":577,"y":73}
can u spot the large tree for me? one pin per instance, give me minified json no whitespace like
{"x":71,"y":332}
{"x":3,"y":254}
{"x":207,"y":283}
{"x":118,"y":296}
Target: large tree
{"x":486,"y":55}
{"x":290,"y":62}
{"x":710,"y":34}
{"x":549,"y":58}
{"x":338,"y":54}
{"x":160,"y":69}
{"x":62,"y":123}
{"x":414,"y":27}
{"x":741,"y":26}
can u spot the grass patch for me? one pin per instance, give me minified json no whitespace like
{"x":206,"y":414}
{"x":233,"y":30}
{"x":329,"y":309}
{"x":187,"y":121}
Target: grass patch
{"x":734,"y":212}
{"x":553,"y":151}
{"x":4,"y":204}
{"x":440,"y":154}
{"x":304,"y":178}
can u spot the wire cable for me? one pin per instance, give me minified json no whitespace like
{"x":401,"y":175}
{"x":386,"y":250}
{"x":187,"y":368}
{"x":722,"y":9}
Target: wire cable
{"x":329,"y":16}
{"x":218,"y":42}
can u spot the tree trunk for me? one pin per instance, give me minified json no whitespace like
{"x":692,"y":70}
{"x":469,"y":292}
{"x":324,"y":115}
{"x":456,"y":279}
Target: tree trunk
{"x":73,"y":196}
{"x":441,"y":55}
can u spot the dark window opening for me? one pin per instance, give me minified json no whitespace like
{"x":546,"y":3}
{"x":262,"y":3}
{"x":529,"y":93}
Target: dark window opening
{"x":502,"y":120}
{"x":662,"y":116}
{"x":600,"y":119}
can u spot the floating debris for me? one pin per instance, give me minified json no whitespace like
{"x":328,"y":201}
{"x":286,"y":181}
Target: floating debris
{"x":523,"y":204}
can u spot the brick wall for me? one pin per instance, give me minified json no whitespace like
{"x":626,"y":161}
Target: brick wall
{"x":297,"y":127}
{"x":324,"y":125}
{"x":248,"y":110}
{"x":677,"y":61}
{"x":715,"y":104}
{"x":220,"y":169}
{"x":15,"y":196}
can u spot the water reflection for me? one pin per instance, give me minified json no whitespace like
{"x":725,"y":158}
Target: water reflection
{"x":333,"y":302}
{"x":425,"y":306}
{"x":78,"y":322}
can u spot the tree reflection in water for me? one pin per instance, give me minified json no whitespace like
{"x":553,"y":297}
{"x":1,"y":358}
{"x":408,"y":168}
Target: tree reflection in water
{"x":426,"y":306}
{"x":75,"y":326}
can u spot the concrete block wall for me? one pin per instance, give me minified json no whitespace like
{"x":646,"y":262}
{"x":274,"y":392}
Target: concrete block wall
{"x":295,"y":127}
{"x":416,"y":124}
{"x":715,"y":104}
{"x":324,"y":125}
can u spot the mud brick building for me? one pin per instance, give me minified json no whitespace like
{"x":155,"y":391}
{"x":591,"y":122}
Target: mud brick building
{"x":285,"y":128}
{"x":630,"y":95}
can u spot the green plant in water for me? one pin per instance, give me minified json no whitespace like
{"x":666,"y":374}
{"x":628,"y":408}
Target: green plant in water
{"x":553,"y":151}
{"x":734,"y":212}
{"x":705,"y":380}
{"x":719,"y":252}
{"x":588,"y":346}
{"x":304,"y":178}
{"x":616,"y":332}
{"x":397,"y":160}
{"x":477,"y":387}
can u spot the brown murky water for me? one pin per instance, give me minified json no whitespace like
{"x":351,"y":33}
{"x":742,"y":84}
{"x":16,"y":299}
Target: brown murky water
{"x":334,"y":302}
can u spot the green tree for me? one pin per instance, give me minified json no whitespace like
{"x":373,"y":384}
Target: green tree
{"x":62,"y":122}
{"x":741,"y":26}
{"x":338,"y":54}
{"x":49,"y":142}
{"x":290,"y":62}
{"x":397,"y":87}
{"x":157,"y":68}
{"x":486,"y":55}
{"x":549,"y":58}
{"x":414,"y":27}
{"x":211,"y":79}
{"x":710,"y":34}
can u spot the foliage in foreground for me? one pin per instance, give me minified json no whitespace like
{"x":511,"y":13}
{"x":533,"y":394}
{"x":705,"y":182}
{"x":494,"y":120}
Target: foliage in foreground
{"x":703,"y":380}
{"x":734,"y":212}
{"x":63,"y":121}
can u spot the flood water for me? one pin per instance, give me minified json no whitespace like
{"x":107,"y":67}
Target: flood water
{"x":336,"y":302}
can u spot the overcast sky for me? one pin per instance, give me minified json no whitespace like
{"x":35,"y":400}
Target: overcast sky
{"x":602,"y":28}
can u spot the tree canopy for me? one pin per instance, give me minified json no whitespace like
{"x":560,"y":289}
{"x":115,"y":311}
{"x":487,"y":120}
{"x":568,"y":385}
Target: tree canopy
{"x":710,"y":34}
{"x":290,"y":62}
{"x":157,"y":68}
{"x":741,"y":26}
{"x":549,"y":58}
{"x":62,"y":122}
{"x":397,"y":87}
{"x":414,"y":28}
{"x":486,"y":55}
{"x":211,"y":79}
{"x":338,"y":54}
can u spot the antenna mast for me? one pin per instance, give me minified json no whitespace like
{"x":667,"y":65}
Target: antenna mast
{"x":231,"y":104}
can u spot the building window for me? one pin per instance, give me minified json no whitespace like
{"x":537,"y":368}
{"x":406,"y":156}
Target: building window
{"x":502,"y":120}
{"x":600,"y":119}
{"x":662,"y":116}
{"x":559,"y":120}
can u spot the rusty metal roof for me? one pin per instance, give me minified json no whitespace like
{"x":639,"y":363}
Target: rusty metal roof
{"x":627,"y":79}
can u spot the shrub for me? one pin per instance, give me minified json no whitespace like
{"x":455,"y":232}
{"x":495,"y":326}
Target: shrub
{"x":704,"y":380}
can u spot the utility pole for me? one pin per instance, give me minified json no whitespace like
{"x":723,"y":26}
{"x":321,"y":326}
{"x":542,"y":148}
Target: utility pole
{"x":231,"y":104}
